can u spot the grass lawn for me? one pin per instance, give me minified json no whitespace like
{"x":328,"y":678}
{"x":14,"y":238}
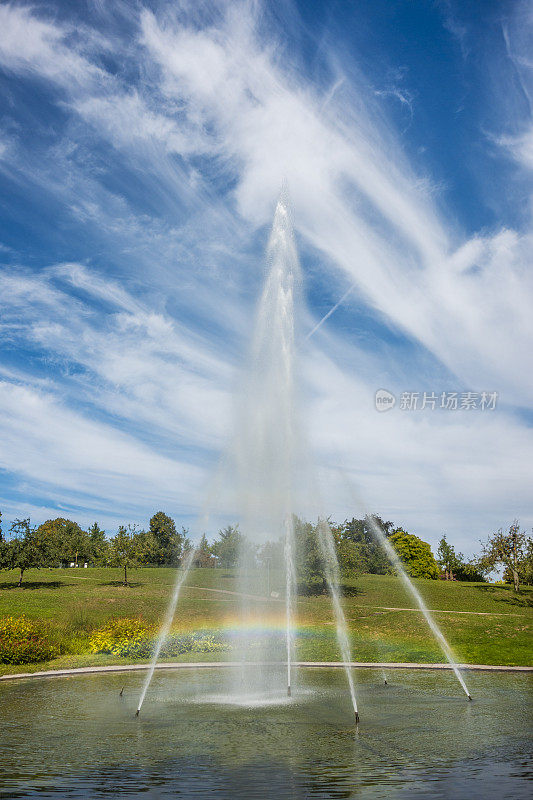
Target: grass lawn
{"x":76,"y":601}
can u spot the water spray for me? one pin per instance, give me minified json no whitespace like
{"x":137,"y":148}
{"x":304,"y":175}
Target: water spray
{"x":331,"y":567}
{"x":289,"y":579}
{"x":394,"y":558}
{"x":265,"y":441}
{"x":396,"y":562}
{"x":167,"y":622}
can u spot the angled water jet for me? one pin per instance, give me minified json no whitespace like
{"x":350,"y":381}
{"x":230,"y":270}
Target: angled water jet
{"x":439,"y":636}
{"x":413,"y":591}
{"x":181,"y":575}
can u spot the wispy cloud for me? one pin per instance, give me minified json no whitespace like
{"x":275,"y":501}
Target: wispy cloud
{"x":74,"y":457}
{"x":44,"y":49}
{"x":518,"y":36}
{"x":134,"y":362}
{"x":175,"y":132}
{"x":356,"y":198}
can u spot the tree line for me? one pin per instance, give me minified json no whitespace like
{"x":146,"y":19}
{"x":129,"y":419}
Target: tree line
{"x":62,"y":542}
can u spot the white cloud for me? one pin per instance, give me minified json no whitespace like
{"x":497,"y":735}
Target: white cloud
{"x":220,"y":103}
{"x":109,"y":291}
{"x":126,"y":121}
{"x":523,"y":149}
{"x":135,"y":363}
{"x":356,"y":199}
{"x":75,"y":457}
{"x":456,"y":472}
{"x":140,"y":370}
{"x":34,"y":45}
{"x":513,"y":86}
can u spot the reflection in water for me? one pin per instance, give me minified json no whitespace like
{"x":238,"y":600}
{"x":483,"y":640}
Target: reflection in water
{"x":76,"y":737}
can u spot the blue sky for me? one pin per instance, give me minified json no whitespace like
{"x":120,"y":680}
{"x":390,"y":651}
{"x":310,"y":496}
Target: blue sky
{"x":142,"y":149}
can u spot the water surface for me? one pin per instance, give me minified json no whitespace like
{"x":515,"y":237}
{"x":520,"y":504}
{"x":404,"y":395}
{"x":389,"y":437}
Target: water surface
{"x":75,"y":737}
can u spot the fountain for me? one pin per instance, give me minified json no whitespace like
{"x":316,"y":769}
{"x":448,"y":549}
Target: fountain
{"x":263,"y":452}
{"x":262,"y":467}
{"x":203,"y":735}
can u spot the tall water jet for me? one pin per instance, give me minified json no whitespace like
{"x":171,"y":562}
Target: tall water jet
{"x":263,"y":455}
{"x":273,"y":474}
{"x":265,"y":466}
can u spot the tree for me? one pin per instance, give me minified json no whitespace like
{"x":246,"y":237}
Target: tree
{"x":187,"y":545}
{"x":124,"y":550}
{"x":454,"y":565}
{"x":70,"y":543}
{"x":271,"y":554}
{"x":368,"y":552}
{"x":228,"y":546}
{"x":509,"y":550}
{"x":447,"y":558}
{"x":415,"y":554}
{"x":309,"y":561}
{"x":525,"y":566}
{"x":98,"y":545}
{"x":203,"y":556}
{"x":28,"y":548}
{"x":169,"y":541}
{"x":148,"y":550}
{"x":469,"y":571}
{"x":350,"y":556}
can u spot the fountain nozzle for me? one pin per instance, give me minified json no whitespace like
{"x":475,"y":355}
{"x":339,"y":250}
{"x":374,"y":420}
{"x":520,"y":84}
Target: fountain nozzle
{"x":356,"y":717}
{"x":385,"y":682}
{"x":288,"y":691}
{"x":469,"y":698}
{"x":137,"y":712}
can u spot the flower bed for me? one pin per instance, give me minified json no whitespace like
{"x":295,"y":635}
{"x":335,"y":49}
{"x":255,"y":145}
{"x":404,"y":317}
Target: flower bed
{"x":24,"y":642}
{"x":137,"y":639}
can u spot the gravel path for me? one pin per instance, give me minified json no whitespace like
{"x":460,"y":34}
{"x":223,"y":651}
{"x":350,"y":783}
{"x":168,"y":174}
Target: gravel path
{"x":384,"y":608}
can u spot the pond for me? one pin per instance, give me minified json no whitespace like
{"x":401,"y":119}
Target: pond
{"x":76,"y":737}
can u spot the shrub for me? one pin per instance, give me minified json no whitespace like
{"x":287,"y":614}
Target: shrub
{"x":24,"y":642}
{"x":123,"y":637}
{"x":198,"y":642}
{"x":469,"y":572}
{"x":137,"y":639}
{"x":415,"y":554}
